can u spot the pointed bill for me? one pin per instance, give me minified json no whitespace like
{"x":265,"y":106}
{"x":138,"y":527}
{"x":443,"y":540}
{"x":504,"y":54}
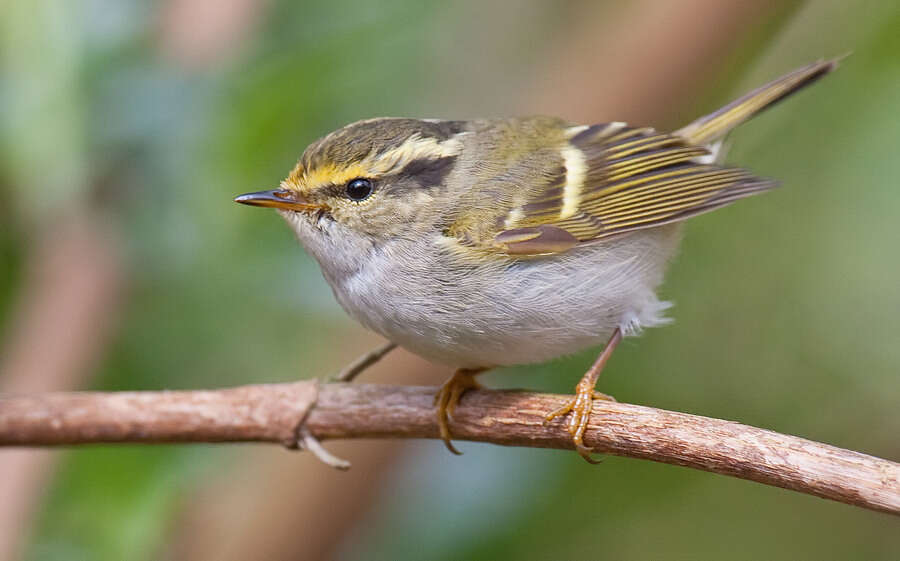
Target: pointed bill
{"x":277,"y":198}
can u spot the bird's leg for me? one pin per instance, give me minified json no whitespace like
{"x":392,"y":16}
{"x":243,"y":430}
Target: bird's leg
{"x":581,"y":404}
{"x":356,"y":367}
{"x":448,"y":397}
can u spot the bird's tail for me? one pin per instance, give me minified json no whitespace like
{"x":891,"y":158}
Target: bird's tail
{"x":713,"y":127}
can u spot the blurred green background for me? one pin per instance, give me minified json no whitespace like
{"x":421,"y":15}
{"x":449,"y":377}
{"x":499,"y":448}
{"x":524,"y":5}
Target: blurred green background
{"x":127,"y":127}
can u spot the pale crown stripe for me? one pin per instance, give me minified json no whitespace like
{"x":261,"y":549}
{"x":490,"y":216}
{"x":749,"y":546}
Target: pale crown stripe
{"x":414,"y":148}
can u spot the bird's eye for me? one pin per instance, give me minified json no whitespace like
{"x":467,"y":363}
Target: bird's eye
{"x":359,"y":189}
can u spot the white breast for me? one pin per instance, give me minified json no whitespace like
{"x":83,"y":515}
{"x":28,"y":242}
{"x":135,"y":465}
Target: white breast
{"x":425,"y":297}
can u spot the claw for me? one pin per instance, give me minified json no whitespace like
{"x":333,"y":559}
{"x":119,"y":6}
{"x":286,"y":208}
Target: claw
{"x":585,"y":453}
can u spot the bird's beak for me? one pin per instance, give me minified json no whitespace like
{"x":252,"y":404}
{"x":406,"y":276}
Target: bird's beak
{"x":277,"y":198}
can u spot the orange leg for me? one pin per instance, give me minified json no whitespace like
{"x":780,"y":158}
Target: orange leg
{"x":448,"y":397}
{"x":580,"y":406}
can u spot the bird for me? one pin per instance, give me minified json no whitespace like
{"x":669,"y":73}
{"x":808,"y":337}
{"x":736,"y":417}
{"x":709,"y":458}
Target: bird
{"x":493,"y":242}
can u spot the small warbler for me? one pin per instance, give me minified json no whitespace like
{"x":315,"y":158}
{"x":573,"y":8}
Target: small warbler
{"x":494,"y":242}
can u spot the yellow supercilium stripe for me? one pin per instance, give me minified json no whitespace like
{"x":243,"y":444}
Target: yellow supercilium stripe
{"x":378,"y":164}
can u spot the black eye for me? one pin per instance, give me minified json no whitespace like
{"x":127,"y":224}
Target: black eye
{"x":359,"y":189}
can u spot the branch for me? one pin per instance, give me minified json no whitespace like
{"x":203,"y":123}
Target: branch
{"x":275,"y":413}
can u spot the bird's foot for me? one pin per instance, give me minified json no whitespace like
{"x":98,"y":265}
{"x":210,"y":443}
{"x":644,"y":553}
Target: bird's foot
{"x":448,"y":397}
{"x":580,"y":407}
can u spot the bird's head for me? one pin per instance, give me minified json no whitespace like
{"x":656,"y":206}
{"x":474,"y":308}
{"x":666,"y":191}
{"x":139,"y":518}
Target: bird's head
{"x":370,"y":180}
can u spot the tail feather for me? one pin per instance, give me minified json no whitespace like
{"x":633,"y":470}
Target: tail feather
{"x":715,"y":126}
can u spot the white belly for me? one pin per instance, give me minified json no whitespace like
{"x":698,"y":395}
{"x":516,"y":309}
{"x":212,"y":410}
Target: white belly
{"x":429,"y":301}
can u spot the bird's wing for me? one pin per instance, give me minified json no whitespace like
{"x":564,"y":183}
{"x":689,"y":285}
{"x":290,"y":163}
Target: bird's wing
{"x":616,"y":179}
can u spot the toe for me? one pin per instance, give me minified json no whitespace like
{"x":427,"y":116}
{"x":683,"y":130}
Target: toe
{"x":561,"y":412}
{"x":446,"y":400}
{"x":604,"y":397}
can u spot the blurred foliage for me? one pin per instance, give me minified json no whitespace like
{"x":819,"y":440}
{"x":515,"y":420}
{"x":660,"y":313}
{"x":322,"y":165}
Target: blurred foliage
{"x":787,"y":304}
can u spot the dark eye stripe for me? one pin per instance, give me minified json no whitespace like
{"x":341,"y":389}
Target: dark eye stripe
{"x":428,"y":172}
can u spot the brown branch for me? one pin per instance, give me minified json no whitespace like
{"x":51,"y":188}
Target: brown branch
{"x":273,"y":413}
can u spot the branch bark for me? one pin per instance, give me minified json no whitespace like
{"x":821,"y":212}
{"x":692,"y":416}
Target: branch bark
{"x":275,"y":412}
